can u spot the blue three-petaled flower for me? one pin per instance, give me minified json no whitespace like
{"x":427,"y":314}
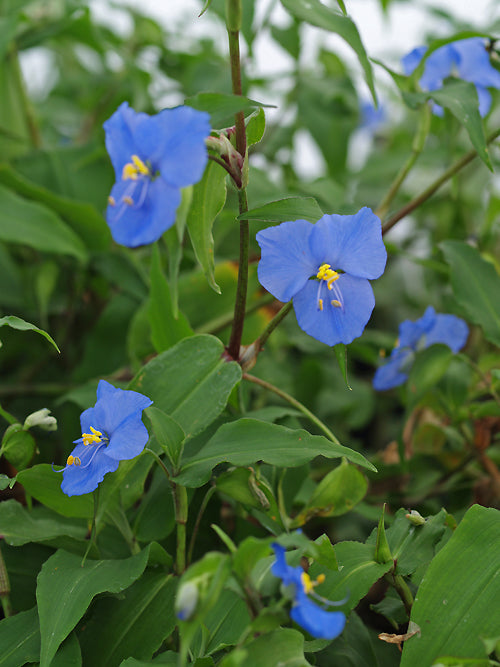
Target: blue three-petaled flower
{"x":431,"y":328}
{"x":467,"y":58}
{"x":319,"y":622}
{"x":325,"y":268}
{"x":153,"y":158}
{"x":112,"y":431}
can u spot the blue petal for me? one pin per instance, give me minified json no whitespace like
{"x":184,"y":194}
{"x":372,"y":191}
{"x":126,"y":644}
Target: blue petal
{"x":411,"y":60}
{"x":484,"y":97}
{"x":151,"y":215}
{"x":128,"y":439}
{"x":317,"y":621}
{"x":411,"y":332}
{"x":286,"y":263}
{"x":334,"y":325}
{"x":113,"y":407}
{"x":78,"y":480}
{"x":352,"y":243}
{"x":438,"y":66}
{"x":474,"y":63}
{"x":391,"y":373}
{"x":120,"y":131}
{"x":280,"y":568}
{"x":449,"y":330}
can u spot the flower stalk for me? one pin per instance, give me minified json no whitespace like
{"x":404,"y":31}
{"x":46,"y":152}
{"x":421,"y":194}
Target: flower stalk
{"x":181,"y":515}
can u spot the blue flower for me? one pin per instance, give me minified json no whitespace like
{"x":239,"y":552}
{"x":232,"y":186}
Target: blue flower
{"x":153,"y":158}
{"x":112,"y":431}
{"x":431,"y":328}
{"x":371,"y":117}
{"x":317,"y":621}
{"x":326,"y":269}
{"x":467,"y":58}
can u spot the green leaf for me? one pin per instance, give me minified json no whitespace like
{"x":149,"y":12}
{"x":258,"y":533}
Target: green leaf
{"x":283,"y":210}
{"x":19,"y":639}
{"x":341,"y":354}
{"x":248,"y":554}
{"x":133,"y":625}
{"x":246,"y":441}
{"x":476,"y":286}
{"x":191,"y":382}
{"x":83,"y":218}
{"x":280,"y":647}
{"x":460,"y":97}
{"x":174,"y":238}
{"x":66,"y":587}
{"x":459,"y":593}
{"x":223,"y":106}
{"x":18,"y":526}
{"x":209,"y":196}
{"x":337,"y":493}
{"x":357,"y":573}
{"x":168,"y":433}
{"x":18,"y":446}
{"x":166,"y":330}
{"x":35,"y":225}
{"x":21,"y":325}
{"x":255,"y":126}
{"x":44,"y":484}
{"x":428,"y":368}
{"x":315,"y":13}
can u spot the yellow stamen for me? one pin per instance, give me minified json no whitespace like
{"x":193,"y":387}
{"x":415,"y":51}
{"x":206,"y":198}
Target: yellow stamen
{"x":111,"y":201}
{"x":132,"y":169}
{"x":73,"y":460}
{"x":325,"y":272}
{"x":308,"y":583}
{"x":336,"y":303}
{"x":320,"y":304}
{"x":90,"y":438}
{"x":320,"y":578}
{"x":128,"y":200}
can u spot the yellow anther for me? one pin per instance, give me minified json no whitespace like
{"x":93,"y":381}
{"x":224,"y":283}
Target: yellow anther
{"x":139,"y":165}
{"x":111,"y":201}
{"x":325,"y":272}
{"x":128,"y":200}
{"x":320,"y":578}
{"x":132,"y":169}
{"x":73,"y":460}
{"x":336,"y":303}
{"x":306,"y":582}
{"x":320,"y":304}
{"x":89,"y":438}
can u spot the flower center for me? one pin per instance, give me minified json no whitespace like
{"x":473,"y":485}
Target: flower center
{"x":308,"y":583}
{"x":91,"y":438}
{"x":132,"y":170}
{"x":328,"y":275}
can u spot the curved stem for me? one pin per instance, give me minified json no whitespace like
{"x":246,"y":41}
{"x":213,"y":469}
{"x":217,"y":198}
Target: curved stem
{"x":428,"y":192}
{"x":280,"y":315}
{"x":296,"y":404}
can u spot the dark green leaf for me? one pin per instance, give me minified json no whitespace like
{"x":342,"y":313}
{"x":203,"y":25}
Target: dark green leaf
{"x":315,"y":13}
{"x":18,"y":526}
{"x":168,"y":433}
{"x":429,"y":367}
{"x":208,"y":199}
{"x":280,"y":647}
{"x":255,"y":126}
{"x":222,"y":106}
{"x":19,"y":639}
{"x":246,"y":441}
{"x":191,"y":382}
{"x":459,"y":593}
{"x":476,"y":286}
{"x":19,"y":324}
{"x":283,"y":210}
{"x":341,"y":354}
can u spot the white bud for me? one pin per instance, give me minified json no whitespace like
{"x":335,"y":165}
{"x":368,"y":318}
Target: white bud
{"x":41,"y":418}
{"x":186,"y":601}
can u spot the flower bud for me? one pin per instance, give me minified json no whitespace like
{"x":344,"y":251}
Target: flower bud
{"x":415,"y":518}
{"x":41,"y":418}
{"x":186,"y":601}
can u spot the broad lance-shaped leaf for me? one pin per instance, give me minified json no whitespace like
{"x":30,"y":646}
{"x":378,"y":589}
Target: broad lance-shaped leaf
{"x":316,"y":13}
{"x":65,"y":589}
{"x":18,"y":526}
{"x":460,"y":97}
{"x":166,"y":329}
{"x":35,"y":225}
{"x":209,"y":196}
{"x":476,"y":286}
{"x":246,"y":441}
{"x":191,"y":382}
{"x":21,"y":325}
{"x":19,"y":639}
{"x":282,"y":210}
{"x":457,"y":601}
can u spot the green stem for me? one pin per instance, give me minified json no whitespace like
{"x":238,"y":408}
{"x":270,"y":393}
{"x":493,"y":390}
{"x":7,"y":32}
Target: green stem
{"x":218,"y":323}
{"x":428,"y":192}
{"x":280,"y":315}
{"x":296,"y":404}
{"x":4,"y":588}
{"x":483,"y":377}
{"x":402,"y":590}
{"x":29,"y":113}
{"x":241,"y":147}
{"x":196,"y":527}
{"x":417,"y":148}
{"x":159,"y":462}
{"x":181,"y":515}
{"x":7,"y":416}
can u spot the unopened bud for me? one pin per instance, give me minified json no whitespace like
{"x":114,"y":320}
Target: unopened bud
{"x":415,"y":518}
{"x":41,"y":418}
{"x":186,"y":601}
